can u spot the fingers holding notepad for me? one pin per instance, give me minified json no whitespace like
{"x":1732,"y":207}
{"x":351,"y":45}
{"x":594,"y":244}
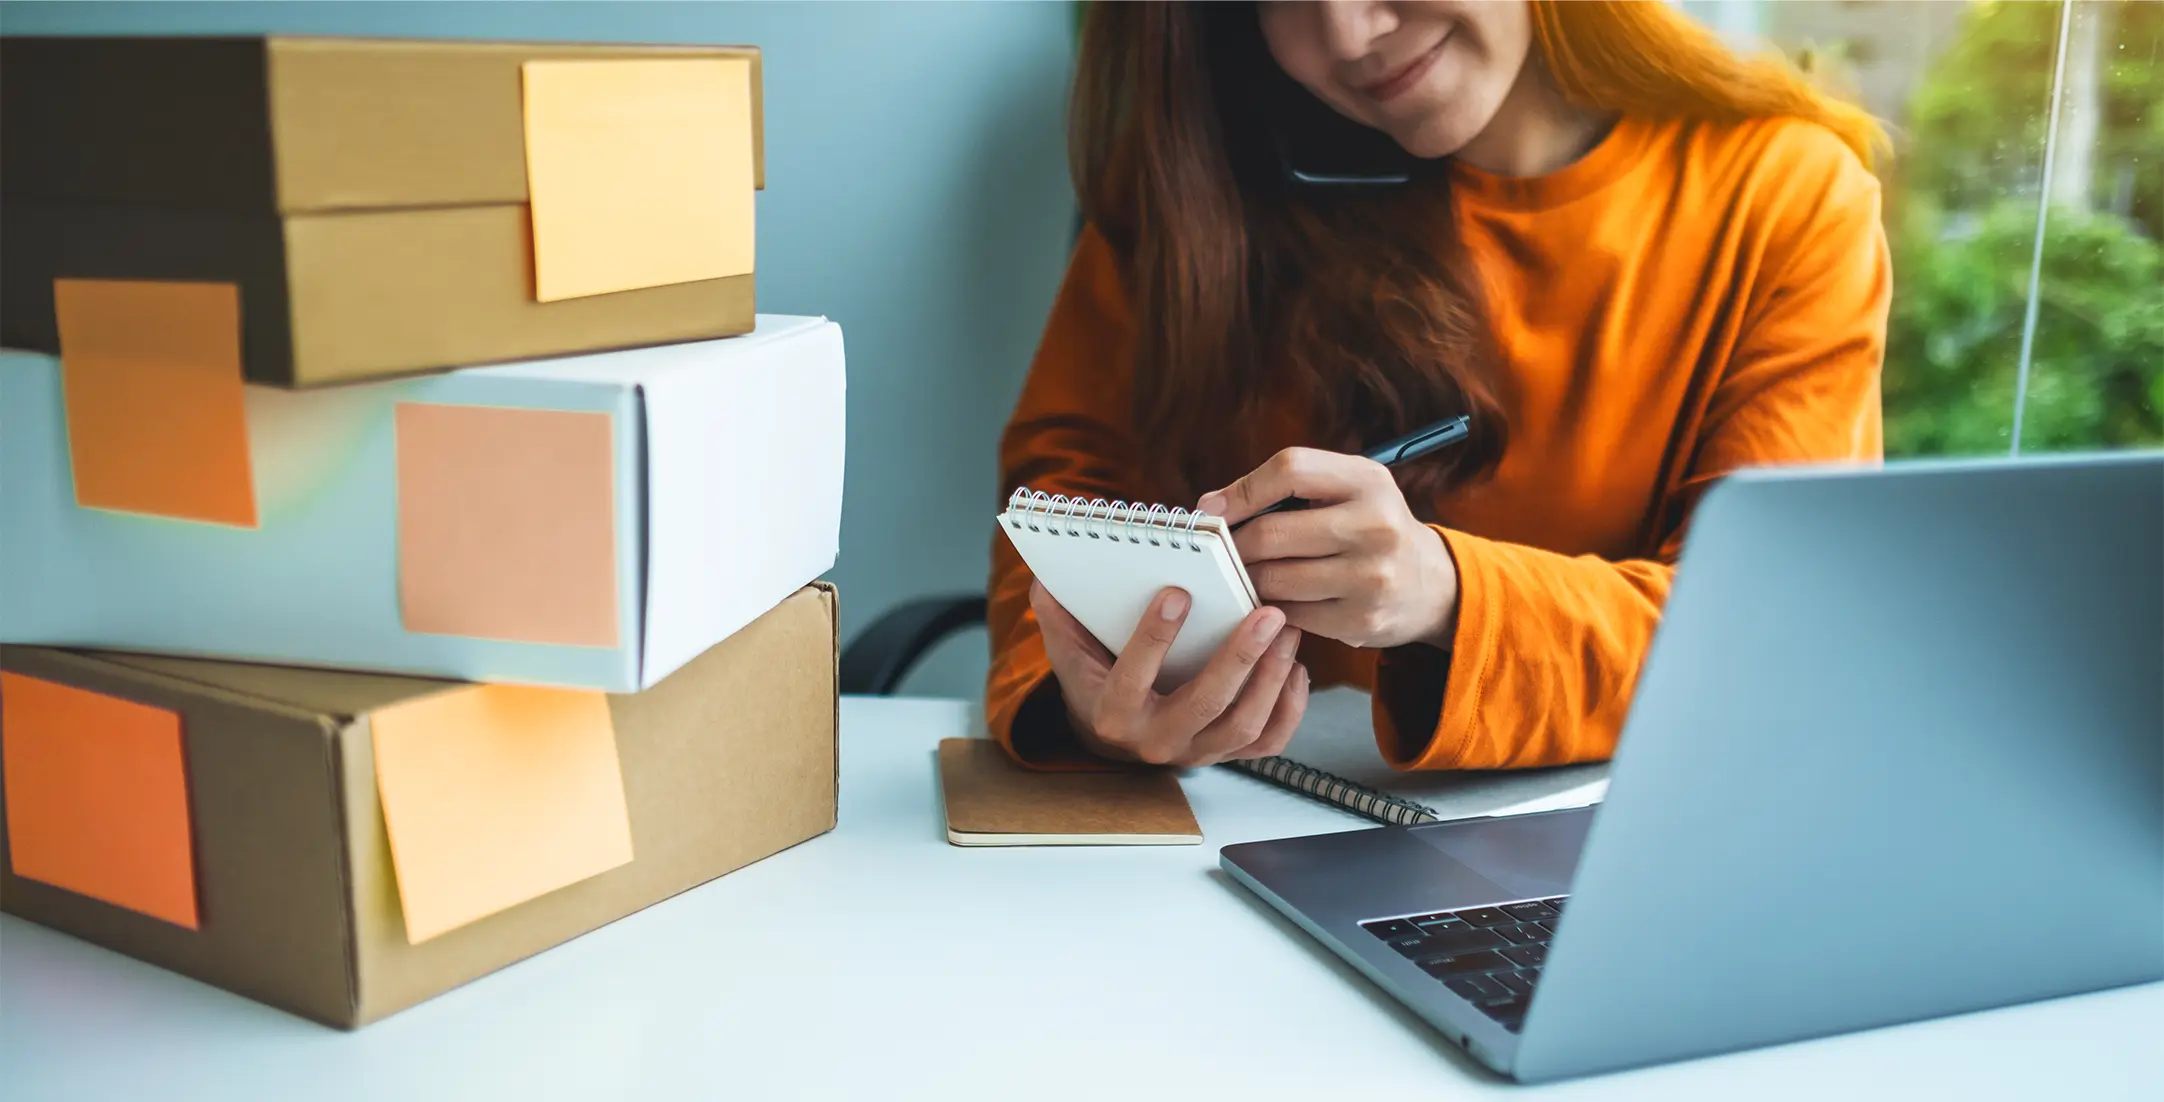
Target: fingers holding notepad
{"x":1246,"y":701}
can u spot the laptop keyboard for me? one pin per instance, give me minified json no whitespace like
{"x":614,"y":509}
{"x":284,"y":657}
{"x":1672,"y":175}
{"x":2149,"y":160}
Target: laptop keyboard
{"x":1490,"y":956}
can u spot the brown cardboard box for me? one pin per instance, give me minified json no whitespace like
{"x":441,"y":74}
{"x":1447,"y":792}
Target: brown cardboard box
{"x":728,"y":760}
{"x":367,"y":195}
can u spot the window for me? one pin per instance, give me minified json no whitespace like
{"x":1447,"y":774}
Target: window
{"x":2025,"y":204}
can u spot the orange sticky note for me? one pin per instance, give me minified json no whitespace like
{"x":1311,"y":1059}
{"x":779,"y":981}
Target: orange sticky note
{"x":496,"y":794}
{"x":156,"y":418}
{"x":507,"y":523}
{"x":638,"y":173}
{"x":97,"y":797}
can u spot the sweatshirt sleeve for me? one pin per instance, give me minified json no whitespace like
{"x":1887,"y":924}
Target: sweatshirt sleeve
{"x":1071,"y":433}
{"x":1548,"y":647}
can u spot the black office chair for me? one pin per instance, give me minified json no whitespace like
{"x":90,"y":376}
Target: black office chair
{"x":881,"y":656}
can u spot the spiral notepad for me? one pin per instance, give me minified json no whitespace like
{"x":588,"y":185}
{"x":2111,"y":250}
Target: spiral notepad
{"x":1333,"y":789}
{"x":1333,"y":758}
{"x":1104,"y":561}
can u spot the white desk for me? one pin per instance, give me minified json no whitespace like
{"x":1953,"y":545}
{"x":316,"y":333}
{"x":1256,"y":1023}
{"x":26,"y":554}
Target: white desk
{"x":880,"y":962}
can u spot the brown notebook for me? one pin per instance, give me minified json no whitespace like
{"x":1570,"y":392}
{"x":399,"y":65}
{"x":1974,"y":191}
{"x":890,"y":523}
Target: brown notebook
{"x":991,"y":801}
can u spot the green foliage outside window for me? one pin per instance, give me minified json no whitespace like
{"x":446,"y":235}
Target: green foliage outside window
{"x":1963,"y":230}
{"x":2097,"y":371}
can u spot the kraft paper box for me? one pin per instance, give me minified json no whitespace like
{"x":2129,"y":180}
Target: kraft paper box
{"x":377,"y":202}
{"x":588,"y":522}
{"x":283,"y":855}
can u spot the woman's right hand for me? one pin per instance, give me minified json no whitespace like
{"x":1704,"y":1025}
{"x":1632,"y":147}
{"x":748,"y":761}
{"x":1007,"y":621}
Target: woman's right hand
{"x":1244,"y":704}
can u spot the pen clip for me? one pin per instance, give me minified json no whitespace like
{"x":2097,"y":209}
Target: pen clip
{"x":1420,"y":443}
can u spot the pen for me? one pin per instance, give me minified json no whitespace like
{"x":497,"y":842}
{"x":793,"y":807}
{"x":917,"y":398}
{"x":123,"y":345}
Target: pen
{"x":1402,"y":450}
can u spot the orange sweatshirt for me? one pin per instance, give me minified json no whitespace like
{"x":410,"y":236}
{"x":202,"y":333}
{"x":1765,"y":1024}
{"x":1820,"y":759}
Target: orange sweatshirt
{"x":1687,"y":299}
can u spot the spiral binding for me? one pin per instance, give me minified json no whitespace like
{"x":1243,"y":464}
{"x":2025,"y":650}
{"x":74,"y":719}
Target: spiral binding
{"x":1097,"y":519}
{"x":1350,"y":795}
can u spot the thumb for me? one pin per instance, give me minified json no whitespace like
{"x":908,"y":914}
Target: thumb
{"x":1256,"y":490}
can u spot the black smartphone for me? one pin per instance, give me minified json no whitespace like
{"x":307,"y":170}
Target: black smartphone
{"x":1317,"y":147}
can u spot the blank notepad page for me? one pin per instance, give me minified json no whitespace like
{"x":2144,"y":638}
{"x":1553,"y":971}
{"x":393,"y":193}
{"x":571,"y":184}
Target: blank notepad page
{"x":1105,"y":561}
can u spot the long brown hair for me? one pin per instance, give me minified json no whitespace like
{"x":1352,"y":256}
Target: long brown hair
{"x":1357,"y":304}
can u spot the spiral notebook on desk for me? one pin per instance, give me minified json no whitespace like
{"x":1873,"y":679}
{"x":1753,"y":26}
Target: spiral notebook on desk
{"x":1333,"y":758}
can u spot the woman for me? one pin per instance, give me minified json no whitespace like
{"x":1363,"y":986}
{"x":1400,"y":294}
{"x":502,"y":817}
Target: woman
{"x":1638,"y":263}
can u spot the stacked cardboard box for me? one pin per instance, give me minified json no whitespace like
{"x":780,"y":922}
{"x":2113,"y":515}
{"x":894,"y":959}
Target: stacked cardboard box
{"x":340,"y":696}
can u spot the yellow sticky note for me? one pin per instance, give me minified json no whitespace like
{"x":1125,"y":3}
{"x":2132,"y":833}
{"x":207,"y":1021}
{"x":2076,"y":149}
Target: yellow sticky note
{"x":638,"y":173}
{"x":157,"y":416}
{"x":494,"y":795}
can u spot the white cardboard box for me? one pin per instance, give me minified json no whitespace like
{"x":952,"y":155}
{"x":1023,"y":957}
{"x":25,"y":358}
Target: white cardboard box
{"x":728,"y":490}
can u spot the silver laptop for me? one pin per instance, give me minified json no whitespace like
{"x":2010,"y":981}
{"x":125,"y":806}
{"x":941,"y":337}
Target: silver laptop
{"x":1897,"y":752}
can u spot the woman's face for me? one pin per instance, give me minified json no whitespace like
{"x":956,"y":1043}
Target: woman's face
{"x":1429,"y":73}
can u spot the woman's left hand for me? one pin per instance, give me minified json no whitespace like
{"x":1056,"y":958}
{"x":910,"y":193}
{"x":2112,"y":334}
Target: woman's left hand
{"x":1354,"y":565}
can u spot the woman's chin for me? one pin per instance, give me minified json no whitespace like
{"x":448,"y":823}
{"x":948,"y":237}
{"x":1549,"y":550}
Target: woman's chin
{"x":1431,"y":142}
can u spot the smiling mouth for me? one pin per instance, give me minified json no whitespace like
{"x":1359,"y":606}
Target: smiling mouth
{"x":1402,"y":81}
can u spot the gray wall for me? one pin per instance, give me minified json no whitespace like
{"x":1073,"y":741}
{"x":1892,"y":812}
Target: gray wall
{"x":916,"y":193}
